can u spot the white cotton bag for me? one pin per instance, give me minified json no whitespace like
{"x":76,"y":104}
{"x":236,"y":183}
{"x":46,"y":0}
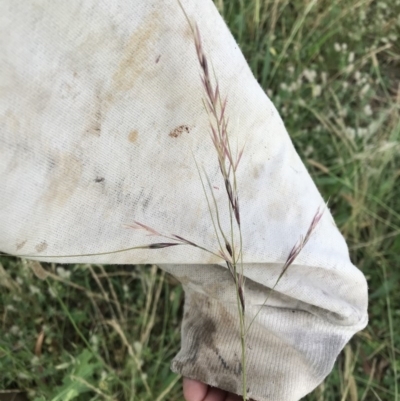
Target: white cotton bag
{"x":102,"y":123}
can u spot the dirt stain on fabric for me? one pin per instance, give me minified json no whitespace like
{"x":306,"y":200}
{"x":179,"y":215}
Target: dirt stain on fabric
{"x":94,"y":127}
{"x":188,"y":33}
{"x":137,"y":50}
{"x":203,"y":358}
{"x":41,"y":247}
{"x":133,"y":136}
{"x":178,"y":131}
{"x":64,"y":179}
{"x":20,"y":245}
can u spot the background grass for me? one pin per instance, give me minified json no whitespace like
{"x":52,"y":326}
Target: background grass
{"x":332,"y":68}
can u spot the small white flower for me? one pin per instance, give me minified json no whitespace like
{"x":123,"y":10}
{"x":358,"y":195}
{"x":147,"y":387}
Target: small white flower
{"x":15,"y":330}
{"x":94,"y":339}
{"x":296,"y":85}
{"x":337,"y":47}
{"x":365,"y":89}
{"x":351,"y":57}
{"x":362,"y":132}
{"x":63,"y":273}
{"x":10,"y":308}
{"x":367,"y":110}
{"x":324,"y":77}
{"x":308,"y":151}
{"x":317,"y":90}
{"x":34,"y":290}
{"x":52,"y":292}
{"x":344,"y":47}
{"x":310,"y":75}
{"x":35,"y":361}
{"x":349,"y":68}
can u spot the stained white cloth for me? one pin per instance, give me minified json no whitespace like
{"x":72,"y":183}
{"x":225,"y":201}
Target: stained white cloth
{"x":101,"y":117}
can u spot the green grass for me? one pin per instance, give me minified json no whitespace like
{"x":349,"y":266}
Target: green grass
{"x":332,"y":68}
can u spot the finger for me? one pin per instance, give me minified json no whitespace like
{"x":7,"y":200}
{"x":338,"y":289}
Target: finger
{"x":233,"y":397}
{"x":215,"y":394}
{"x":193,"y":390}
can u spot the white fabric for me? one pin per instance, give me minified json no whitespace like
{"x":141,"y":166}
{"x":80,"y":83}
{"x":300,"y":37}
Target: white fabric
{"x":100,"y":111}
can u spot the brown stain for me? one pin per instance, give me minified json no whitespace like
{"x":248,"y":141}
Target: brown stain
{"x":201,"y":325}
{"x":178,"y":131}
{"x":136,"y":53}
{"x":188,"y":33}
{"x":133,"y":136}
{"x":41,"y":246}
{"x":94,"y":127}
{"x":204,"y":352}
{"x":95,"y":119}
{"x":256,"y":172}
{"x":64,"y":179}
{"x":20,"y":245}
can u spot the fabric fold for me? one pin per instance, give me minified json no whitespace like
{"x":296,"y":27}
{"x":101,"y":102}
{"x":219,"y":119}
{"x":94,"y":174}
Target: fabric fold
{"x":291,"y":346}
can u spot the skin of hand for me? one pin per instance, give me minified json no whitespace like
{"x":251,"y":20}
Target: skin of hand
{"x":194,"y":390}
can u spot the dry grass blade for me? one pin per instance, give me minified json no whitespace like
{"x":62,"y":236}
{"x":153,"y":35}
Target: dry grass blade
{"x":295,"y":251}
{"x":297,"y":248}
{"x":150,"y":230}
{"x":216,"y":107}
{"x":117,"y":327}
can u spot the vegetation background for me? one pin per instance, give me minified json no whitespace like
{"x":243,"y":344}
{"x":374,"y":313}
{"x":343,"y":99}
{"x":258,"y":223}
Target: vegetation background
{"x":332,"y":69}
